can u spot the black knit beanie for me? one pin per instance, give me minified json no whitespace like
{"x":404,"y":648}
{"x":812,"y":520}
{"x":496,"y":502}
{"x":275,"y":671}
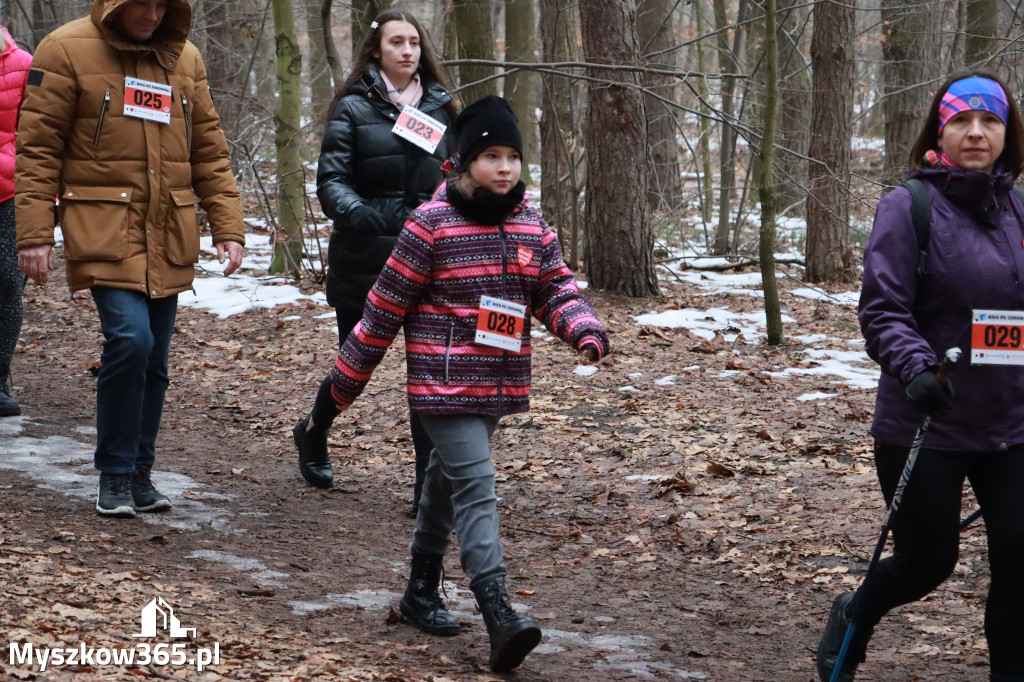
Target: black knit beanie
{"x":485,"y":123}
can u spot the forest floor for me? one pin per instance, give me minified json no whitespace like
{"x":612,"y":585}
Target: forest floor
{"x":679,"y":514}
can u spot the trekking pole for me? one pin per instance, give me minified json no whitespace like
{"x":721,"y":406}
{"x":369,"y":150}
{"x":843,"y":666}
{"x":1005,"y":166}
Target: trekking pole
{"x":970,"y":519}
{"x":942,"y":374}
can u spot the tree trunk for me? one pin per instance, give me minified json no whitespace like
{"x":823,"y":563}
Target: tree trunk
{"x":330,"y":47}
{"x":910,"y":54}
{"x":476,"y":41}
{"x":829,"y":257}
{"x":766,"y":181}
{"x":287,"y":142}
{"x":363,"y":12}
{"x":619,"y":237}
{"x":521,"y":87}
{"x":318,"y":72}
{"x":982,"y":31}
{"x":706,"y":183}
{"x":728,"y":62}
{"x":795,"y":112}
{"x":560,"y":131}
{"x":654,"y":32}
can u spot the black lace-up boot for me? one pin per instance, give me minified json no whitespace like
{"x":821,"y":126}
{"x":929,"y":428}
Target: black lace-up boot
{"x":421,"y":604}
{"x":512,"y":636}
{"x":832,"y":641}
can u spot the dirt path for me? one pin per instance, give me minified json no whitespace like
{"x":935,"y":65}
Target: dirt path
{"x":680,"y":514}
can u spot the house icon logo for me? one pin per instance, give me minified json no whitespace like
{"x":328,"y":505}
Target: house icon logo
{"x":151,"y":614}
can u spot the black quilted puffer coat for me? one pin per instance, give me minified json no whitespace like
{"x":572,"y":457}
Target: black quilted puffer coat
{"x":362,"y":161}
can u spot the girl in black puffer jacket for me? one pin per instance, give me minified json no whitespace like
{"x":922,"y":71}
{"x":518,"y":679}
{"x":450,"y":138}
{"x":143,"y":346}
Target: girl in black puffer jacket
{"x":369,"y":180}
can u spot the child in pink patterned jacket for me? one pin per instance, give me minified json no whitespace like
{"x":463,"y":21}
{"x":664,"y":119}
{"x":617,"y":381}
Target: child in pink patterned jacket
{"x":469,"y":270}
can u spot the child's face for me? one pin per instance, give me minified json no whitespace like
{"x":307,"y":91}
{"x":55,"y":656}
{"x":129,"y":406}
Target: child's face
{"x":497,"y":168}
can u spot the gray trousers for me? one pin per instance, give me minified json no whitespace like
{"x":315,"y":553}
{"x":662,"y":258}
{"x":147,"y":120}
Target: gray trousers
{"x":458,"y":494}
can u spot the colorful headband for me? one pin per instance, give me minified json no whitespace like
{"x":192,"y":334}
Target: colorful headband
{"x":973,"y":94}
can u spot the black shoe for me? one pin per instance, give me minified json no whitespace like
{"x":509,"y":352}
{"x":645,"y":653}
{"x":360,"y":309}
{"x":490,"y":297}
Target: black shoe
{"x":421,"y":604}
{"x":512,"y":636}
{"x":314,"y":462}
{"x":9,"y":407}
{"x":145,"y":497}
{"x":114,"y":497}
{"x":832,"y":642}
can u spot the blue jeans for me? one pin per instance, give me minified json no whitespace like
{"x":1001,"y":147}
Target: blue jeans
{"x":133,"y":379}
{"x":459,"y":494}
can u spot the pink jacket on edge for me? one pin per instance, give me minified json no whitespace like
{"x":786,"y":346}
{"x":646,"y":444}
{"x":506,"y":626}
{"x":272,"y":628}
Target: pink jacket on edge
{"x":14,"y":66}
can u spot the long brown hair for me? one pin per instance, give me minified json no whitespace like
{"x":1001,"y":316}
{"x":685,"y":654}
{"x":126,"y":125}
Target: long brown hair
{"x":429,"y":68}
{"x":1012,"y":157}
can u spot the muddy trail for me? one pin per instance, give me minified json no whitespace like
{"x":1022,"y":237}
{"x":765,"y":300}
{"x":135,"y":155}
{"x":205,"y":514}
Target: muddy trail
{"x":680,"y":514}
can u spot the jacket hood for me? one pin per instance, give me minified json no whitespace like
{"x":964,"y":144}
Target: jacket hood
{"x":170,"y":36}
{"x":9,"y":44}
{"x":977,"y":193}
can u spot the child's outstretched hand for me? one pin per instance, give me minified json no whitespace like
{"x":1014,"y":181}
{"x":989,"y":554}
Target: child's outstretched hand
{"x":589,"y":353}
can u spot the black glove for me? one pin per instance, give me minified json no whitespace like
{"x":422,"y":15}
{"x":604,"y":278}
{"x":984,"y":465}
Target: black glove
{"x":925,"y":391}
{"x":365,"y":221}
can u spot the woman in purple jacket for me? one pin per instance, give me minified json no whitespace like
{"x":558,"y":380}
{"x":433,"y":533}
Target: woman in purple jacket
{"x":969,"y":154}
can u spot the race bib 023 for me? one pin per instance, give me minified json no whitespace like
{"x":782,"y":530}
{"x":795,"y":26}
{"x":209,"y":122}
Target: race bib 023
{"x":422,"y":130}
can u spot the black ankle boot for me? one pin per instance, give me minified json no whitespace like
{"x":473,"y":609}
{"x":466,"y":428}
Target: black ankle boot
{"x":314,"y":462}
{"x":512,"y":636}
{"x":422,"y":604}
{"x":832,"y":641}
{"x":9,"y":407}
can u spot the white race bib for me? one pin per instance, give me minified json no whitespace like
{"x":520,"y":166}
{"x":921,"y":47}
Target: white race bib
{"x":422,"y":130}
{"x":147,"y":100}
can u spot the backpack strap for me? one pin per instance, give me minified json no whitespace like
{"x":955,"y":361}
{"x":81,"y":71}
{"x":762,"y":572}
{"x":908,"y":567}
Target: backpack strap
{"x":921,"y":216}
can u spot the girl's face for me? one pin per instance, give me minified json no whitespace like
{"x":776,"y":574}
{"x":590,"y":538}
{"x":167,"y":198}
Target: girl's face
{"x":399,"y":52}
{"x":973,"y":139}
{"x":497,"y":168}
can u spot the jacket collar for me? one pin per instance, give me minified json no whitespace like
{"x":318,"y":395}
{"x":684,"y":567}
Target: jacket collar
{"x":168,"y":40}
{"x":434,"y":96}
{"x":977,"y":193}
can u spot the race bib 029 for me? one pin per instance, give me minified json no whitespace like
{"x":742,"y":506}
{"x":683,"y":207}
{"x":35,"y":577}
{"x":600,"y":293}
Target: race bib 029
{"x":997,"y":337}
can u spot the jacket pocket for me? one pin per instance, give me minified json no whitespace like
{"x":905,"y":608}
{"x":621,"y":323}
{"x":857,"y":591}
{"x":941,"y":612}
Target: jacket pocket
{"x":182,"y":228}
{"x":94,"y":221}
{"x":188,"y":124}
{"x":99,"y":119}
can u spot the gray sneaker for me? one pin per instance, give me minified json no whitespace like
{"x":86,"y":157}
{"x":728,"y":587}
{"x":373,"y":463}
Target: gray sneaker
{"x":114,"y":497}
{"x":145,"y":496}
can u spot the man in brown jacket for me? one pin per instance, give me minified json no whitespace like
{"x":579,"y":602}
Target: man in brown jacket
{"x":119,"y":124}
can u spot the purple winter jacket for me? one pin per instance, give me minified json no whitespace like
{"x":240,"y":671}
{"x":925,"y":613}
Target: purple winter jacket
{"x":975,"y":261}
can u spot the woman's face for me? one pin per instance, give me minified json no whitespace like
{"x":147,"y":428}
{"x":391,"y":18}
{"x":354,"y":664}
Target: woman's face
{"x":497,"y":168}
{"x":973,"y":139}
{"x":399,"y":52}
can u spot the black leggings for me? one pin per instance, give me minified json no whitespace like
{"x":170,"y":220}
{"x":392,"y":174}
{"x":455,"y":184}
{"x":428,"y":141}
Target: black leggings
{"x":926,"y":539}
{"x":11,"y":284}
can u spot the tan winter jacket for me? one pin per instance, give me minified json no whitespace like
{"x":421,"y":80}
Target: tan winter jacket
{"x":128,"y":187}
